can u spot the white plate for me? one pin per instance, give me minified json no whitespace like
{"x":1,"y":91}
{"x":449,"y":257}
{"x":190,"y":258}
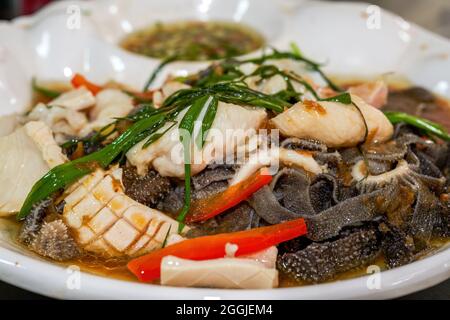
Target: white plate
{"x":354,"y":39}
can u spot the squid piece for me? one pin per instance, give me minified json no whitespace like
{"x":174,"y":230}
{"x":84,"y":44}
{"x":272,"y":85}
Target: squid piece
{"x":166,"y":154}
{"x":107,"y":222}
{"x":335,"y":124}
{"x":25,"y":156}
{"x":256,"y":271}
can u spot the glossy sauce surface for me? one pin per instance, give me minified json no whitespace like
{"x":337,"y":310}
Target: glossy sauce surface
{"x":194,"y":40}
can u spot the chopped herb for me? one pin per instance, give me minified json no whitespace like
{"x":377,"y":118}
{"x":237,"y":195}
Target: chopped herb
{"x":344,"y":98}
{"x":429,"y":127}
{"x":166,"y":237}
{"x":157,"y":71}
{"x":207,"y":121}
{"x":186,"y":128}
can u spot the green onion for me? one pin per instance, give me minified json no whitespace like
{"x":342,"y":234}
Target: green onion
{"x":295,"y":49}
{"x":157,"y":71}
{"x":186,"y":128}
{"x":428,"y":126}
{"x":65,"y":174}
{"x":166,"y":237}
{"x":44,"y":91}
{"x":344,"y":98}
{"x":207,"y":121}
{"x":154,"y":137}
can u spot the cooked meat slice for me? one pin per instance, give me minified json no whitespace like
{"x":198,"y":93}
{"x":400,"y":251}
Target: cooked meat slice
{"x":335,"y":124}
{"x":166,"y":154}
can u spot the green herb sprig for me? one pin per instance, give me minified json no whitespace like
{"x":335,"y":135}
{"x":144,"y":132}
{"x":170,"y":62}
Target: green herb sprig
{"x":429,"y":127}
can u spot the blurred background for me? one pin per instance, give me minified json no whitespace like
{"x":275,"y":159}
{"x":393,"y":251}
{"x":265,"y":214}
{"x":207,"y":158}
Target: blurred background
{"x":434,"y":15}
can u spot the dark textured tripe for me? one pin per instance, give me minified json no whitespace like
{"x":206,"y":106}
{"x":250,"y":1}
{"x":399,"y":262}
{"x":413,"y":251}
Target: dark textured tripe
{"x":323,"y":261}
{"x":147,"y":189}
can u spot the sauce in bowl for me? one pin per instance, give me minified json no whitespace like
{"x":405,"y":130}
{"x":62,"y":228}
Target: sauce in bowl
{"x":194,"y":40}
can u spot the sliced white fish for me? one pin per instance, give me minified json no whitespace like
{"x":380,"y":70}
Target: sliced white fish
{"x":273,"y":157}
{"x":110,"y":104}
{"x":228,"y":273}
{"x":374,"y":93}
{"x":105,"y":221}
{"x":64,"y":122}
{"x":166,"y":90}
{"x":335,"y":124}
{"x":77,"y":99}
{"x":25,"y":156}
{"x":233,"y":126}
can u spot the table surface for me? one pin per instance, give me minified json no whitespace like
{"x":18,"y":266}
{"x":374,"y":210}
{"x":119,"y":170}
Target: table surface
{"x":433,"y":15}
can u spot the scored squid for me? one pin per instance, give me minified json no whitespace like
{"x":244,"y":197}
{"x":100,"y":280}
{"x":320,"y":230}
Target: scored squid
{"x":335,"y":124}
{"x":107,"y":222}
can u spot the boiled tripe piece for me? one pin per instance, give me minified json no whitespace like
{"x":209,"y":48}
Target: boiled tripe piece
{"x":233,"y":126}
{"x":25,"y":156}
{"x":335,"y":124}
{"x":106,"y":221}
{"x":256,"y":271}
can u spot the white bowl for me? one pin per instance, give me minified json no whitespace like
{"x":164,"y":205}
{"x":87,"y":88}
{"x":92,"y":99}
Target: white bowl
{"x":354,"y":39}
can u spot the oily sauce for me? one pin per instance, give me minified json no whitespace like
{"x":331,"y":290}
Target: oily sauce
{"x":194,"y":40}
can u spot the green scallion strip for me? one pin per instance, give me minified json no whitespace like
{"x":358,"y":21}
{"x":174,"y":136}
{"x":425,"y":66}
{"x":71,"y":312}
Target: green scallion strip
{"x":344,"y":98}
{"x":207,"y":121}
{"x":295,"y":49}
{"x":155,"y":136}
{"x":186,"y":128}
{"x":44,"y":91}
{"x":157,"y":71}
{"x":428,"y":126}
{"x":65,"y":174}
{"x":166,"y":237}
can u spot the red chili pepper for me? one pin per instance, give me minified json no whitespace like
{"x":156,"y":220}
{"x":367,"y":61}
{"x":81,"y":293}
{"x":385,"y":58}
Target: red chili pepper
{"x":78,"y":80}
{"x":148,"y":267}
{"x":207,"y":208}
